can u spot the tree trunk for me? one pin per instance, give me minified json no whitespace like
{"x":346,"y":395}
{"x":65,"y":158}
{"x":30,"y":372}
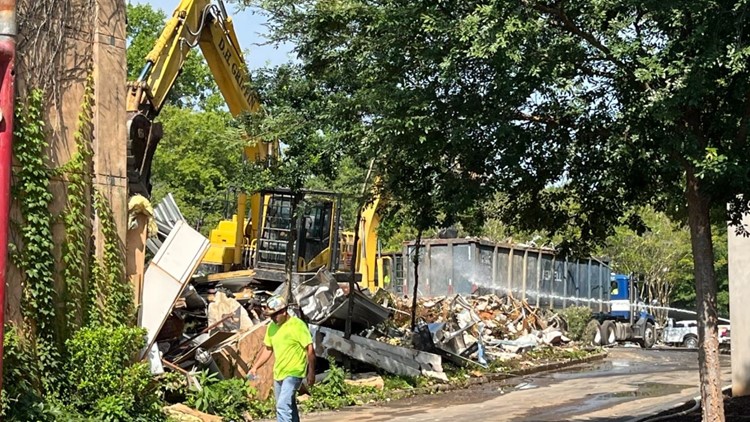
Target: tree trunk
{"x":353,"y":272}
{"x":416,"y":281}
{"x":705,"y":288}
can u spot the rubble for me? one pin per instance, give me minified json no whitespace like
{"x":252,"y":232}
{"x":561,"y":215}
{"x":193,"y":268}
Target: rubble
{"x":394,"y":359}
{"x":473,"y":330}
{"x":180,"y":412}
{"x":222,"y":307}
{"x":237,"y":354}
{"x":323,"y":301}
{"x":166,"y":277}
{"x":367,"y":379}
{"x":215,"y":323}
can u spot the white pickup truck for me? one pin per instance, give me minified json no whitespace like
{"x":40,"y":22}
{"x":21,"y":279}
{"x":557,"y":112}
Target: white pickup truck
{"x":685,"y":333}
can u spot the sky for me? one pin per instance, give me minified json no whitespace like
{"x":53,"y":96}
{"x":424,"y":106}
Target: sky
{"x":249,"y":27}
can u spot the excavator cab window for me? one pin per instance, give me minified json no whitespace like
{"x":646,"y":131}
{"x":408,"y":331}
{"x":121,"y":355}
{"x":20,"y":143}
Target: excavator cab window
{"x":313,"y":225}
{"x":315,"y":233}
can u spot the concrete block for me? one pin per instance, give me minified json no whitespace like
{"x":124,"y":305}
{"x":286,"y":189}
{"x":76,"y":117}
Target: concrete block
{"x":739,"y":291}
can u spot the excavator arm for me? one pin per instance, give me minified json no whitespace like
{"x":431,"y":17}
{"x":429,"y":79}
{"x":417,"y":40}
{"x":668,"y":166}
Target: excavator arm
{"x":194,"y":23}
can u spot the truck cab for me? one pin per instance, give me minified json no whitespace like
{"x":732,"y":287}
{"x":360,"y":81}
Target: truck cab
{"x":628,"y":318}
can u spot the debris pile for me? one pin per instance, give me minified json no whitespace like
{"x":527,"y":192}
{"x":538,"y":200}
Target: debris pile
{"x":214,"y":322}
{"x":473,"y":329}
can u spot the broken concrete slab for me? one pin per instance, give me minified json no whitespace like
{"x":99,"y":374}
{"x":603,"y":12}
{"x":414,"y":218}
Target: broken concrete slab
{"x":394,"y":359}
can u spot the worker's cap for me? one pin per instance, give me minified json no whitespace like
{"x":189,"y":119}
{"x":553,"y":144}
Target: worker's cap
{"x":275,"y":304}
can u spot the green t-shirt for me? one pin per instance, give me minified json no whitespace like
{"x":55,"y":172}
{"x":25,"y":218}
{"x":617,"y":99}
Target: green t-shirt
{"x":289,"y":342}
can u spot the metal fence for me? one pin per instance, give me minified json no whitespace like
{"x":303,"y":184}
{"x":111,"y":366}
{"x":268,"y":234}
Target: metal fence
{"x":468,"y":266}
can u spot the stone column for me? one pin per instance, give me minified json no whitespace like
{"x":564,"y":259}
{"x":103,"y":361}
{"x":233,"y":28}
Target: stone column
{"x":110,"y":173}
{"x":739,"y":291}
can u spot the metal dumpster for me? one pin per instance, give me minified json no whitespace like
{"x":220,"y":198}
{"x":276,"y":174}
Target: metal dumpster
{"x":473,"y":266}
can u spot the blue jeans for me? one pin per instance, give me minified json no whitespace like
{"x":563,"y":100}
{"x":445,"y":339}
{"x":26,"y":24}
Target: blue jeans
{"x":286,"y":399}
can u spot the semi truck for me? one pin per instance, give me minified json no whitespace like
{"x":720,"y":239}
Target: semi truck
{"x":627,"y":319}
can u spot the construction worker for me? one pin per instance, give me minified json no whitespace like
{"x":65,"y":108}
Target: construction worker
{"x":290,"y":342}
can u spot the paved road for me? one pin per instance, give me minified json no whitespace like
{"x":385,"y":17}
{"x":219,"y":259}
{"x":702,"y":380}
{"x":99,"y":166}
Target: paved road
{"x":629,"y":383}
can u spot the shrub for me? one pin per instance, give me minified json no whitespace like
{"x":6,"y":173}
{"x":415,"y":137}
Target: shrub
{"x":105,"y":384}
{"x":331,"y":393}
{"x":577,"y":317}
{"x":100,"y":381}
{"x":229,"y":398}
{"x":21,"y":391}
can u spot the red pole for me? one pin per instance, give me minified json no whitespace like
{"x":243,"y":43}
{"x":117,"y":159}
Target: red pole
{"x":7,"y":97}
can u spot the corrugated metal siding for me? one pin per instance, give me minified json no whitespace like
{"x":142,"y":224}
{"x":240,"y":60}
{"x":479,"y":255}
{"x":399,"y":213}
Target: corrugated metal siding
{"x":166,"y":214}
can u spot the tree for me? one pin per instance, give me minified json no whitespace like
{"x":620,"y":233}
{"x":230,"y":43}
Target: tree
{"x":195,"y":87}
{"x":684,"y":295}
{"x":200,"y":162}
{"x":613,"y":104}
{"x":660,"y":257}
{"x":400,"y":123}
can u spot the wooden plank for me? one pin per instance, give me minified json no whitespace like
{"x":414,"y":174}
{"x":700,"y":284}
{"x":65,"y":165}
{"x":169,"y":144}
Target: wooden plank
{"x":212,"y":341}
{"x":136,"y":256}
{"x":230,"y":275}
{"x":238,"y":354}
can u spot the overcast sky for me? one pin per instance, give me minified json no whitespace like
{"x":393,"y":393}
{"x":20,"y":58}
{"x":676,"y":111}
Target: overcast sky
{"x":249,"y":28}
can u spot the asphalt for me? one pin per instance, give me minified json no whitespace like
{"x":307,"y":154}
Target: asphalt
{"x":627,"y":386}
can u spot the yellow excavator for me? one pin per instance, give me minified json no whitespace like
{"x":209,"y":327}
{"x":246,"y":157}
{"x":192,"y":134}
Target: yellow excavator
{"x":252,"y":245}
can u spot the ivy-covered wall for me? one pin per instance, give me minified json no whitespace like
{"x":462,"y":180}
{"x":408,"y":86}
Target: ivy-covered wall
{"x":71,"y":61}
{"x":66,"y":280}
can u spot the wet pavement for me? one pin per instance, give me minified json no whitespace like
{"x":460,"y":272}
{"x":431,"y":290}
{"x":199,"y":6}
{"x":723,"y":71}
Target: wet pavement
{"x":630,"y":383}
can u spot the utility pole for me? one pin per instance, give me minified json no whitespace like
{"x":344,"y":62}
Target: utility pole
{"x":7,"y":97}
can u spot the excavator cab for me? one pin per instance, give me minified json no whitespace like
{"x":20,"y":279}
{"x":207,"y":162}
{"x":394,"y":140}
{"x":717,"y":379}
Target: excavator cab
{"x":316,"y":232}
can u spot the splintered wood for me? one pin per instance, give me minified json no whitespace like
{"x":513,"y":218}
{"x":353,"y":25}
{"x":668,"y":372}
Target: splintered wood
{"x":505,"y":317}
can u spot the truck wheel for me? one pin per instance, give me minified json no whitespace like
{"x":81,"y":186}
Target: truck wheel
{"x":649,"y":336}
{"x":691,"y":342}
{"x":609,"y":335}
{"x":593,"y":333}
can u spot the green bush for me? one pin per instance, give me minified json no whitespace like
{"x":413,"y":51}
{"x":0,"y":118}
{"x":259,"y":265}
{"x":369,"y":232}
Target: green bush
{"x":229,"y":398}
{"x":577,"y":317}
{"x":399,"y":382}
{"x":331,"y":393}
{"x":105,"y":384}
{"x":21,"y":391}
{"x":100,"y":381}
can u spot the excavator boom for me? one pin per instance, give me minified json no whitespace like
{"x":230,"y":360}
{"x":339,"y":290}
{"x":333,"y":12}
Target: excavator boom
{"x":193,"y":23}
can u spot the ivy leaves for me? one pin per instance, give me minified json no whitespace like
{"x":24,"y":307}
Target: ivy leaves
{"x":35,"y":258}
{"x":87,"y":291}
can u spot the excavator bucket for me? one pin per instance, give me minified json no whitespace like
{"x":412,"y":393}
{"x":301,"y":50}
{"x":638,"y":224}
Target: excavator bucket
{"x":143,"y":137}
